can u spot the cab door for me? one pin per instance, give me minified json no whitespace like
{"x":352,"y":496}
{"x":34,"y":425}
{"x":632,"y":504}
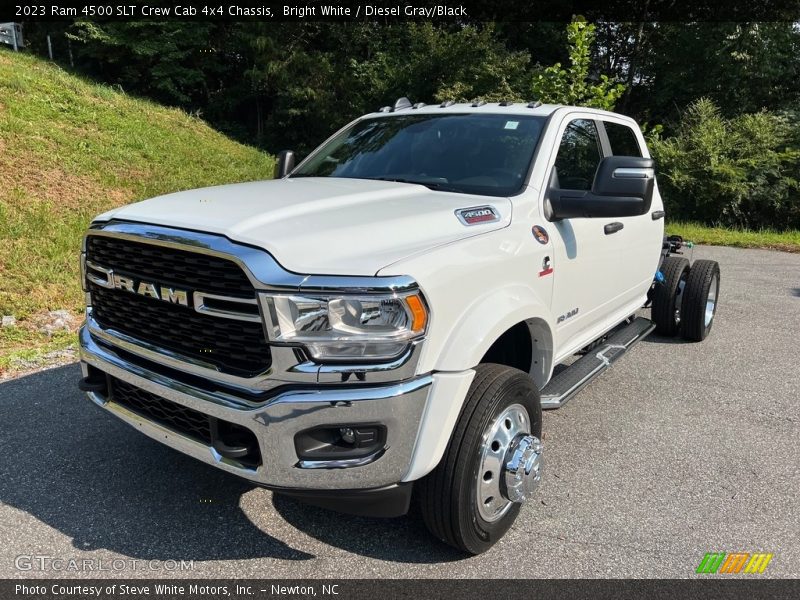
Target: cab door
{"x":586,"y":292}
{"x":641,"y":237}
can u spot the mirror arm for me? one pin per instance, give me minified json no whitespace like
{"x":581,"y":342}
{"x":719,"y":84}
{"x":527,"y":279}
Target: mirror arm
{"x":285,"y":164}
{"x":554,"y":207}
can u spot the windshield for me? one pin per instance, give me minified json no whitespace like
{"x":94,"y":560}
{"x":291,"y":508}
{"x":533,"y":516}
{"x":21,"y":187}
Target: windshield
{"x":469,"y":153}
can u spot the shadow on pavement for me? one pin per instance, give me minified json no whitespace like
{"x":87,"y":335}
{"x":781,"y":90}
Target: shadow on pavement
{"x":660,"y":339}
{"x":106,"y":486}
{"x":404,"y":539}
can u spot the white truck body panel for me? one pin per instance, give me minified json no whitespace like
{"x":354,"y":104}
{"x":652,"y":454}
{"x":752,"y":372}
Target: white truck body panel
{"x":440,"y":415}
{"x":589,"y":272}
{"x":322,"y":226}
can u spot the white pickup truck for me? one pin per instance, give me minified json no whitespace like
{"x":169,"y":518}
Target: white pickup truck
{"x":389,"y":314}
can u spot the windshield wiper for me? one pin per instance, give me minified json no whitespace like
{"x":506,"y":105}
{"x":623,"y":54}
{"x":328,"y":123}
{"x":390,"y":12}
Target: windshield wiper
{"x":432,"y":185}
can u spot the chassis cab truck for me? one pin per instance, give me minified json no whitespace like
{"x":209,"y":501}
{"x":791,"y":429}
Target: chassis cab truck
{"x":385,"y":317}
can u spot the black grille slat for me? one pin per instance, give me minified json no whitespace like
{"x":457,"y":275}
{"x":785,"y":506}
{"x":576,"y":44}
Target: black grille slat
{"x":235,"y":347}
{"x":184,"y":420}
{"x":175,"y":416}
{"x":193,"y":270}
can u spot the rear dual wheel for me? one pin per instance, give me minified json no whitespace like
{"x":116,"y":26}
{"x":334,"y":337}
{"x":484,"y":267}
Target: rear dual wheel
{"x":685,"y":301}
{"x":700,"y":296}
{"x":668,"y":295}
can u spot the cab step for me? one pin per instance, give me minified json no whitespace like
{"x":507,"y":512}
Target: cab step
{"x":574,"y":378}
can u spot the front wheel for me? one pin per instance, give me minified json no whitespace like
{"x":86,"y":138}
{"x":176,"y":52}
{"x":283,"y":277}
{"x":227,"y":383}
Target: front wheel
{"x":492,"y":464}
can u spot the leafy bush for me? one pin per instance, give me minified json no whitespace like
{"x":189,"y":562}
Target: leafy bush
{"x":572,"y":86}
{"x":735,"y":172}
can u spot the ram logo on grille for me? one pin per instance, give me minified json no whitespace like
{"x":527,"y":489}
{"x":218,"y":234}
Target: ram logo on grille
{"x":112,"y":280}
{"x":145,"y":288}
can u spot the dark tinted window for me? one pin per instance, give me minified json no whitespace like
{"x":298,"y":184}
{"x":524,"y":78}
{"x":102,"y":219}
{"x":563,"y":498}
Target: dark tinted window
{"x":578,"y":155}
{"x":471,"y":153}
{"x":623,"y":140}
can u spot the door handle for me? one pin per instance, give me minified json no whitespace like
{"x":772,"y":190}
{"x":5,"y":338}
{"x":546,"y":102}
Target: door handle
{"x":657,"y":214}
{"x":613,"y":227}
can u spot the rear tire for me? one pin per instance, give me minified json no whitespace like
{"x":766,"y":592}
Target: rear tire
{"x":668,"y":295}
{"x":700,"y":300}
{"x":449,"y":495}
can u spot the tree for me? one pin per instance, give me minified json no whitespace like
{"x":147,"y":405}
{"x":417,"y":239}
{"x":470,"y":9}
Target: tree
{"x":431,"y":63}
{"x":574,"y":85}
{"x":741,"y":67}
{"x":172,"y":61}
{"x":737,"y":172}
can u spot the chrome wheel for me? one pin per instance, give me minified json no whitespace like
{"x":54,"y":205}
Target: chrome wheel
{"x":510,"y":463}
{"x":711,"y":301}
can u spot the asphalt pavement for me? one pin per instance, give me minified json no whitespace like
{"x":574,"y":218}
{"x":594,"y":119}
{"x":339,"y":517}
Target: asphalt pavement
{"x":680,"y":449}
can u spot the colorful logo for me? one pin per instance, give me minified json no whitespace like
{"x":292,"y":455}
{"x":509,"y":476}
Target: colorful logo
{"x":547,"y":267}
{"x":477,"y":214}
{"x":734,"y":562}
{"x":540,"y":234}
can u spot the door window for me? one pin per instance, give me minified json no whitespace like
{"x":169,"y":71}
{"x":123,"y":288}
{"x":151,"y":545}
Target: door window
{"x":578,"y":156}
{"x":622,"y":139}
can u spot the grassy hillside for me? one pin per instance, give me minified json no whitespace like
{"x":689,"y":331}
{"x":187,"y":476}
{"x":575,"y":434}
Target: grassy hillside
{"x":70,"y":149}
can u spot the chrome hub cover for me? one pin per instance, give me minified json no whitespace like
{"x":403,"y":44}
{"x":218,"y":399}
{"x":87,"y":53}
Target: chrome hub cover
{"x":523,"y":468}
{"x":510,"y":463}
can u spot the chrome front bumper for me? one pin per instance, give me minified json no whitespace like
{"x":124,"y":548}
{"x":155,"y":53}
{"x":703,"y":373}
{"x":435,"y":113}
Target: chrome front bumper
{"x":276,"y":421}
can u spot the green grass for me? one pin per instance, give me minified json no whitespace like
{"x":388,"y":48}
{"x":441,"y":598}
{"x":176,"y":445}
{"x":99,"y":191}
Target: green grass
{"x":70,"y":149}
{"x":788,"y":241}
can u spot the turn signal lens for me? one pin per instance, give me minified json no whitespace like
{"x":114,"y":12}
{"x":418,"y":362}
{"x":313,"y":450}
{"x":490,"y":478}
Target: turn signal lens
{"x":418,"y":313}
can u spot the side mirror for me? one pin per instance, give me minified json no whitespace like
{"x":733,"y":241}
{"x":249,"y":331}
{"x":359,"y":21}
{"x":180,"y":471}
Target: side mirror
{"x":623,"y":187}
{"x":285,"y":164}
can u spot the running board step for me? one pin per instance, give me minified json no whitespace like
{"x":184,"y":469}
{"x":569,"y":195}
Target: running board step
{"x":574,"y":378}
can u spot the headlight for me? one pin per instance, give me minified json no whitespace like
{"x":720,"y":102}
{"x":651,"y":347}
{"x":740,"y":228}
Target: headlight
{"x":346,"y":327}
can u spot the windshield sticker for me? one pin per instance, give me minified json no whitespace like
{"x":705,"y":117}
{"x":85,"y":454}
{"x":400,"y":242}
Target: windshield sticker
{"x":512,"y":124}
{"x":477,"y":215}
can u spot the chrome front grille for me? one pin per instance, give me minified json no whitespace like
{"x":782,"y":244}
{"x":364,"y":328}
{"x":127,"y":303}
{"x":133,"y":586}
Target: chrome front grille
{"x":235,"y":346}
{"x":171,"y":266}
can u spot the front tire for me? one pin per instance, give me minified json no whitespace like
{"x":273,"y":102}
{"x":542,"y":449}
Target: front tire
{"x":464,"y":499}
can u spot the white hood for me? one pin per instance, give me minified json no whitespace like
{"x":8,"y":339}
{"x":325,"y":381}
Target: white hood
{"x":326,"y":226}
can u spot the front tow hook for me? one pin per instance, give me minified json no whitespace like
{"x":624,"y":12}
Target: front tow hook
{"x":221,"y":447}
{"x":88,"y":384}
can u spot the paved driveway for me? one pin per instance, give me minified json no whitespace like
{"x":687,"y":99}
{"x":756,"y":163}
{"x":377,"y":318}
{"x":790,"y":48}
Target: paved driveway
{"x":680,"y":449}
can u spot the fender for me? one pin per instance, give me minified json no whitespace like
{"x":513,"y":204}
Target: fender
{"x":481,"y":324}
{"x":491,"y":315}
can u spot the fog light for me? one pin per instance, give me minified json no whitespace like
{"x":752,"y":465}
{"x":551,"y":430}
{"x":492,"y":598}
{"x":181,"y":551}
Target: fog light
{"x":334,"y":443}
{"x":348,"y":435}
